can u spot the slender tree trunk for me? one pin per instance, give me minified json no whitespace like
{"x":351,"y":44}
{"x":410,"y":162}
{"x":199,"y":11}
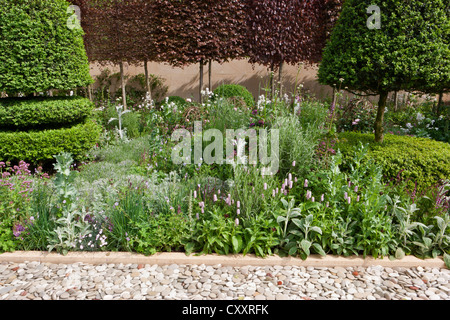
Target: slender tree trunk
{"x":380,"y":117}
{"x":147,"y":80}
{"x":122,"y":79}
{"x":89,"y":91}
{"x":439,"y":105}
{"x":272,"y":81}
{"x":280,"y":77}
{"x":333,"y":102}
{"x":201,"y":81}
{"x":210,"y":74}
{"x":395,"y":101}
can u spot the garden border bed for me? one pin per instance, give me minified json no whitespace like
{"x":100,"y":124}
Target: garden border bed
{"x":97,"y":258}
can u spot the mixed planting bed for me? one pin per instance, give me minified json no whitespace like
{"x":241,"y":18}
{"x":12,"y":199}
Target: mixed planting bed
{"x":333,"y":194}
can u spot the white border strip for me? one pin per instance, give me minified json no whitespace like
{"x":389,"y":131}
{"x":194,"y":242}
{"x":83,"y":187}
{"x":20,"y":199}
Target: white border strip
{"x":97,"y":258}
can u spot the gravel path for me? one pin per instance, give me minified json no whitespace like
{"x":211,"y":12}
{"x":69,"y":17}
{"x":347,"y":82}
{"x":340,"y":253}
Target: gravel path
{"x":80,"y":281}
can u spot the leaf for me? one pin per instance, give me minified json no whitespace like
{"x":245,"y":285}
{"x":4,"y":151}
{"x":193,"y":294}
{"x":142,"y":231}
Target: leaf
{"x":305,"y":245}
{"x":292,"y":251}
{"x":235,"y":244}
{"x":316,"y":229}
{"x":281,"y":219}
{"x":399,"y":254}
{"x":319,"y":249}
{"x":298,"y":223}
{"x":447,"y":260}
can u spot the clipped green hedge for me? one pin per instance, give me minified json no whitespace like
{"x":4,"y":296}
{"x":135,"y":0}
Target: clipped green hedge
{"x":235,"y":91}
{"x":422,"y":160}
{"x":38,"y":50}
{"x":43,"y":112}
{"x":40,"y":146}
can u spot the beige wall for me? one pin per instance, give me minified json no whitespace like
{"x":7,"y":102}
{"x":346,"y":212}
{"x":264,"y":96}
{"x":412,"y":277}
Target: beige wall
{"x":184,"y":82}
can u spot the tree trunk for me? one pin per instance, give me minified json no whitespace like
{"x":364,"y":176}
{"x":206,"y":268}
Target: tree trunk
{"x":280,"y":77}
{"x":272,"y":81}
{"x":395,"y":101}
{"x":439,"y":105}
{"x":333,"y":102}
{"x":210,"y":74}
{"x":201,"y":81}
{"x":89,"y":92}
{"x":122,"y":79}
{"x":380,"y":117}
{"x":147,"y":80}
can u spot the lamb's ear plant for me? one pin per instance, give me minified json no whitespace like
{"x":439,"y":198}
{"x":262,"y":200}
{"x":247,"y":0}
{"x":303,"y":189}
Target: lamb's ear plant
{"x":296,"y":231}
{"x":405,"y":227}
{"x":120,"y":113}
{"x":70,"y":222}
{"x":64,"y":183}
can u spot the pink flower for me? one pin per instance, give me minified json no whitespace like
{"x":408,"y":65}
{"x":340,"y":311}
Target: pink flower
{"x":306,"y":183}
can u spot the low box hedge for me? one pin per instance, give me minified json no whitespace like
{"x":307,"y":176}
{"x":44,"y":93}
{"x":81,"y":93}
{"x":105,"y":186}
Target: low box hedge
{"x":43,"y":112}
{"x":420,"y":160}
{"x":40,"y":146}
{"x":235,"y":91}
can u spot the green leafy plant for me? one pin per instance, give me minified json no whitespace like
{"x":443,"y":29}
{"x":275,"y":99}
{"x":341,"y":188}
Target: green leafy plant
{"x":297,"y":230}
{"x":70,"y":224}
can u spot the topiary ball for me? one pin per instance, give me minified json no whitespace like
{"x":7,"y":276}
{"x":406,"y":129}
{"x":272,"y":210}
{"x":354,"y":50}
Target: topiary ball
{"x":230,"y":91}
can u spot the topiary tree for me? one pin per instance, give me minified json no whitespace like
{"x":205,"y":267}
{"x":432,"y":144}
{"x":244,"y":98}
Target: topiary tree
{"x":38,"y":51}
{"x":396,"y":46}
{"x":41,"y":48}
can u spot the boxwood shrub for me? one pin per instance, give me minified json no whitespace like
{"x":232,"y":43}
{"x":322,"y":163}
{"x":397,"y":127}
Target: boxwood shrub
{"x":38,"y":51}
{"x":43,"y":112}
{"x":235,"y":91}
{"x":40,"y":146}
{"x":417,"y":160}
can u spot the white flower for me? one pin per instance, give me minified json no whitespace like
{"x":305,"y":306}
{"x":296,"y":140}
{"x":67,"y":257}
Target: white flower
{"x":420,"y":117}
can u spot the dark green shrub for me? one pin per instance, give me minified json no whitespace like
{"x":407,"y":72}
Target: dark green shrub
{"x":420,"y":160}
{"x":40,"y":146}
{"x":24,"y":113}
{"x":38,"y":51}
{"x":179,"y":101}
{"x":229,"y":91}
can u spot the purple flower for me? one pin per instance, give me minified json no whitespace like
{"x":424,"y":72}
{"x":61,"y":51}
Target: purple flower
{"x":306,"y":183}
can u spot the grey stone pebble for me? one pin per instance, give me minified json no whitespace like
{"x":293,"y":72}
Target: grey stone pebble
{"x":79,"y":281}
